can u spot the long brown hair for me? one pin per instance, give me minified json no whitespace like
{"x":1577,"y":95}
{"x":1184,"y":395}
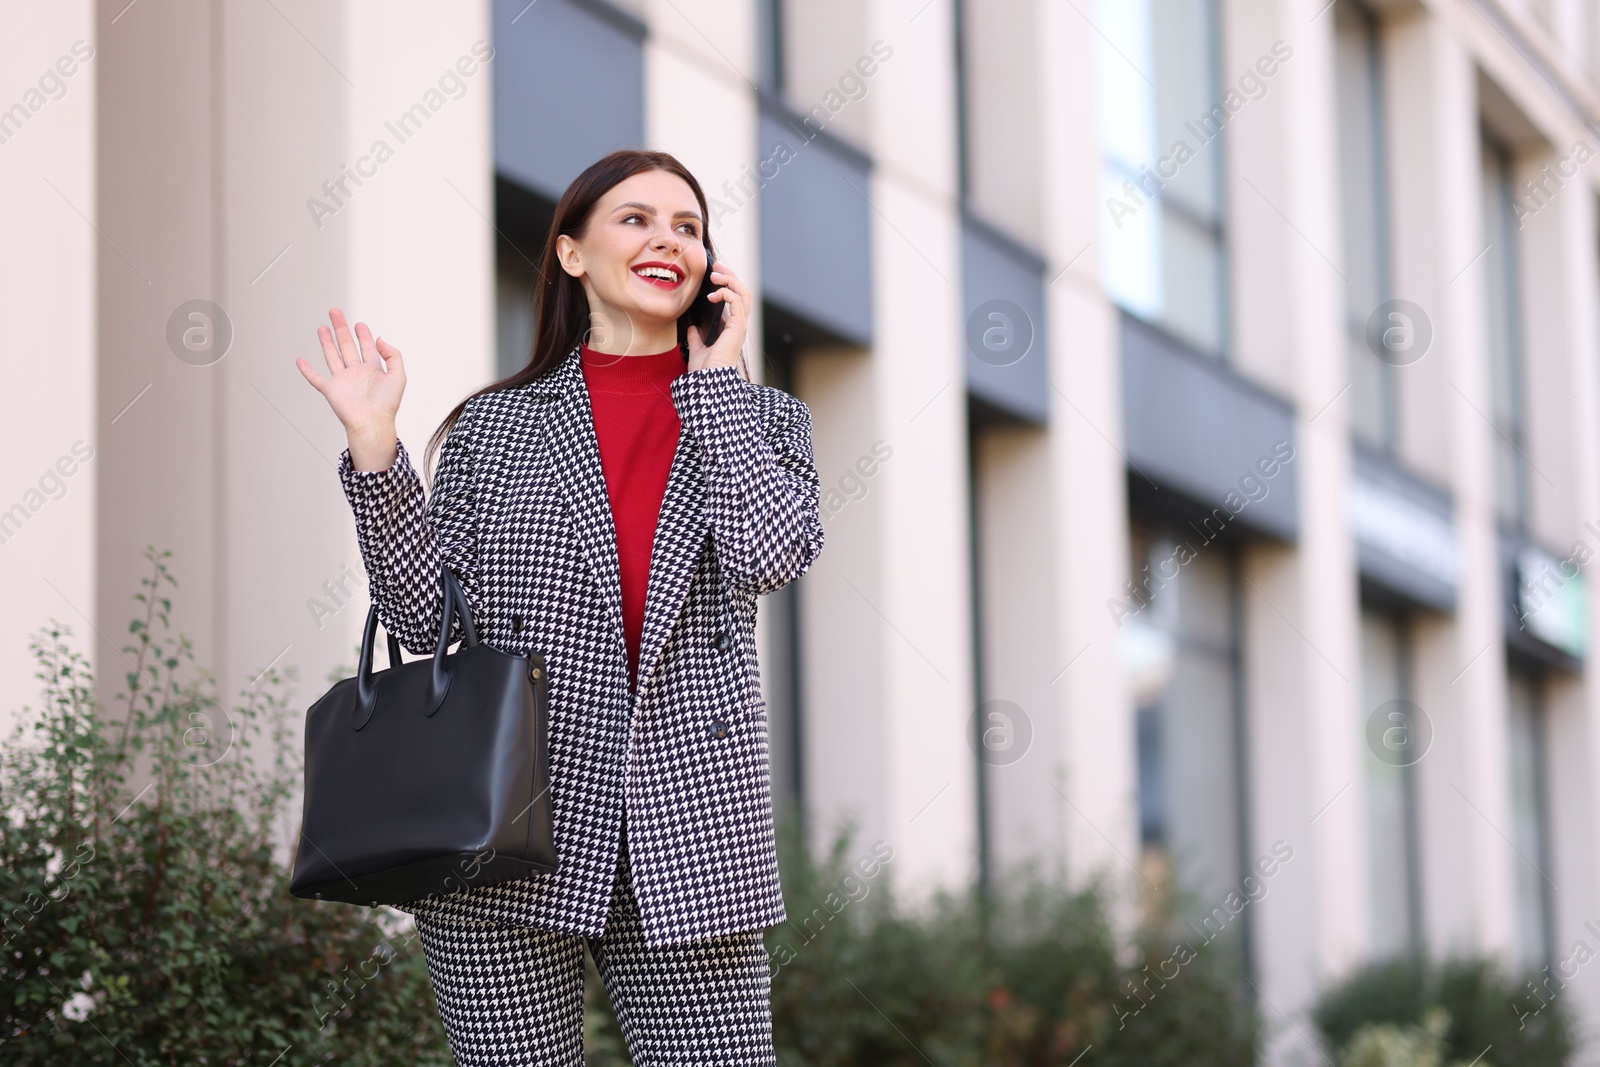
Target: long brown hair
{"x":563,"y":306}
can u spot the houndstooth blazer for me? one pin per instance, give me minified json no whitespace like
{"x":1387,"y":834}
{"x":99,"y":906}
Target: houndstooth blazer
{"x":519,"y":512}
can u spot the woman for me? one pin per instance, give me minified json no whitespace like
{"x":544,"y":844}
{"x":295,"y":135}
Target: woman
{"x":617,"y":505}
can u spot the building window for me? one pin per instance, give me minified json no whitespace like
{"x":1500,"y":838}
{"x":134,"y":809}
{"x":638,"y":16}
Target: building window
{"x":1364,"y":202}
{"x":514,"y":312}
{"x":1390,"y":726}
{"x":522,"y":221}
{"x":1161,"y":123}
{"x":963,"y":108}
{"x":1181,"y":649}
{"x":1504,"y":337}
{"x":1530,"y":818}
{"x":769,"y":46}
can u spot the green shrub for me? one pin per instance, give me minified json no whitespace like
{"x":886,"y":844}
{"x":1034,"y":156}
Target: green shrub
{"x":1394,"y":1045}
{"x":151,"y":925}
{"x":1484,"y":1012}
{"x":145,"y":920}
{"x":1031,"y":980}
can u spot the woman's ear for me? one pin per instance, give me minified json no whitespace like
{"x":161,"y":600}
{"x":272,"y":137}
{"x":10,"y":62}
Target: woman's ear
{"x":569,"y":255}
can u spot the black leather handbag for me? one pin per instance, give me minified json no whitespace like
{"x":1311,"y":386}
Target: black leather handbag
{"x":429,"y":777}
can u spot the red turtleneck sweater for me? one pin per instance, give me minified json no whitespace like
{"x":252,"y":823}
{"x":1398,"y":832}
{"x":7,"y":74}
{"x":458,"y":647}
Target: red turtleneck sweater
{"x":637,"y":426}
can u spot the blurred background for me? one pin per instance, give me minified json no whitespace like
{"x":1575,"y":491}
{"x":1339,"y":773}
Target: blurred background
{"x":1204,"y":394}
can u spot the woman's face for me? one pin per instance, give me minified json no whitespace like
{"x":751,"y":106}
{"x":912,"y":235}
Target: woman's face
{"x":640,"y":259}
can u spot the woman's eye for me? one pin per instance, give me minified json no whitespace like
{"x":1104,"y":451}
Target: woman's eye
{"x":688,"y":227}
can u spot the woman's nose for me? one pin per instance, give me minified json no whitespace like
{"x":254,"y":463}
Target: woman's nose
{"x":666,"y":239}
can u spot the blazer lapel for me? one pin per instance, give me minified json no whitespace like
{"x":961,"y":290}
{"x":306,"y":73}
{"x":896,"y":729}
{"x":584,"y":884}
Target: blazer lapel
{"x":681,"y":527}
{"x":681,"y":530}
{"x":574,"y":453}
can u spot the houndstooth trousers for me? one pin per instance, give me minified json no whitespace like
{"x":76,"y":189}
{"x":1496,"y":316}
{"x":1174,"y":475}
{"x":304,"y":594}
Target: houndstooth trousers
{"x":514,"y":995}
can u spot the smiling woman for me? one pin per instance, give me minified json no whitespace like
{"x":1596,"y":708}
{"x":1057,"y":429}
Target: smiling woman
{"x":617,"y":506}
{"x":603,"y":230}
{"x":635,"y":283}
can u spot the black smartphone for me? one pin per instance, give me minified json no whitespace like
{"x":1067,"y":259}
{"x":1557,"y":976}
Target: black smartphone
{"x":707,"y":315}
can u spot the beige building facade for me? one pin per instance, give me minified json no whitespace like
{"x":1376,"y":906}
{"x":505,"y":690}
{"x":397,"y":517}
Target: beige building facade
{"x":1204,"y":394}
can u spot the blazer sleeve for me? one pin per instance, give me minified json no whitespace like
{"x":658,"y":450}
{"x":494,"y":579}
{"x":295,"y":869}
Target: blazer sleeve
{"x":404,"y":541}
{"x":762,"y":489}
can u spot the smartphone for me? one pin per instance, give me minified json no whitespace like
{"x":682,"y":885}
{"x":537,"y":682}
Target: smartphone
{"x":707,"y":315}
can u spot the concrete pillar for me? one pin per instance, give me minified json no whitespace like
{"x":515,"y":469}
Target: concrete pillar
{"x":1096,"y":791}
{"x":894,"y":584}
{"x":53,"y":439}
{"x":1558,"y":259}
{"x":1473,"y":726}
{"x":1300,"y":607}
{"x":1418,"y":172}
{"x":286,"y":159}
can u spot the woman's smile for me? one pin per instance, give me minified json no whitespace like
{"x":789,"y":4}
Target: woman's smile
{"x":658,"y":274}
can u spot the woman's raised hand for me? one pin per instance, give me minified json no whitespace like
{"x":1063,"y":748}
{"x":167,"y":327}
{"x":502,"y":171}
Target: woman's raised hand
{"x":364,"y":386}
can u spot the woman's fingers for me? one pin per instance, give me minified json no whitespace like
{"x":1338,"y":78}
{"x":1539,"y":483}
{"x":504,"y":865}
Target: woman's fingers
{"x":729,"y":301}
{"x":341,"y":349}
{"x":734,"y":293}
{"x":734,"y":301}
{"x":366,"y":375}
{"x":369,"y":351}
{"x":392,"y":361}
{"x":330,"y":350}
{"x":732,"y":280}
{"x":349,"y":352}
{"x":317,"y":381}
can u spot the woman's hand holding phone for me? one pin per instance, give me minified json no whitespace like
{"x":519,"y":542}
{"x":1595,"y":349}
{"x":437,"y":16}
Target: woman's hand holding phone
{"x":734,"y":301}
{"x":367,"y":377}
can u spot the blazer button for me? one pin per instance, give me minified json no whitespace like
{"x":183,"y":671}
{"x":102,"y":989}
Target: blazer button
{"x":516,"y":624}
{"x":722,"y":641}
{"x":719,"y":729}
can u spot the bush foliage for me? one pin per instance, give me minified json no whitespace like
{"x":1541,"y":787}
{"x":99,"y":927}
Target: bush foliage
{"x":1466,"y":1009}
{"x":1030,"y":976}
{"x":146,"y":920}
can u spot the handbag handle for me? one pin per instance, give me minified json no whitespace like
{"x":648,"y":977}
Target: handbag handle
{"x":454,"y":602}
{"x":366,"y":691}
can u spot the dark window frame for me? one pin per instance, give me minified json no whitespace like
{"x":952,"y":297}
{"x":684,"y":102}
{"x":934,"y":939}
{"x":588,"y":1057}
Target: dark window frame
{"x":1383,"y":238}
